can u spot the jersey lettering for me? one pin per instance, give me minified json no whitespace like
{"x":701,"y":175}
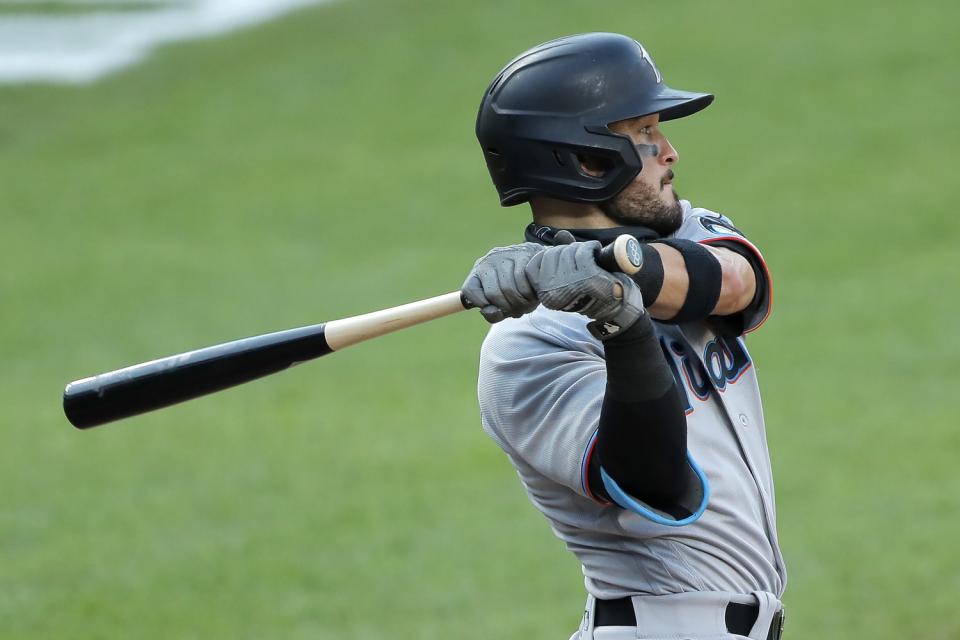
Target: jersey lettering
{"x":726,"y":358}
{"x":726,"y":361}
{"x":690,"y":375}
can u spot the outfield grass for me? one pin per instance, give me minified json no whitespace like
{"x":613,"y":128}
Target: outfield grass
{"x":324,"y":165}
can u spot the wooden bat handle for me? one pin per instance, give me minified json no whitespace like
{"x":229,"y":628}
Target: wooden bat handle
{"x":343,"y":333}
{"x":621,"y":255}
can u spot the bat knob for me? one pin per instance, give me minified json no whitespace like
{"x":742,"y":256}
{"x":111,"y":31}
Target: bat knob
{"x":622,"y":255}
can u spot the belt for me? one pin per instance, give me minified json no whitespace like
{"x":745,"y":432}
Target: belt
{"x":739,"y":617}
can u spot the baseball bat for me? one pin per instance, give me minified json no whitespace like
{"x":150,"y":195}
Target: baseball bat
{"x":160,"y":383}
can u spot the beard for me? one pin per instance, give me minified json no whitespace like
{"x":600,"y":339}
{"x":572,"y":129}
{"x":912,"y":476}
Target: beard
{"x":640,"y":204}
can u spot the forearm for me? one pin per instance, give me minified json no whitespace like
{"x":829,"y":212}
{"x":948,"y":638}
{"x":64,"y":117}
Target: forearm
{"x":738,"y":283}
{"x":642,"y":436}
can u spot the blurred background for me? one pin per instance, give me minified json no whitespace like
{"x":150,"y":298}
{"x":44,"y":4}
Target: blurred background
{"x":174,"y":174}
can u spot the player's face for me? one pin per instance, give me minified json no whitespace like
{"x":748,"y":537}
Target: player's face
{"x":650,"y":199}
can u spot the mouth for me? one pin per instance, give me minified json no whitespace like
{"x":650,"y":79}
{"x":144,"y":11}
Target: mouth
{"x":667,"y":179}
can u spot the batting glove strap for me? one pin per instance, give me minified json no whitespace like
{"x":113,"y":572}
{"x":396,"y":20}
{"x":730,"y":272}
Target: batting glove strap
{"x":621,"y":317}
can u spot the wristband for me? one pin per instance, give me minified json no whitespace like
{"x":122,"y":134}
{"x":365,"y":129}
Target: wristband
{"x":650,"y":277}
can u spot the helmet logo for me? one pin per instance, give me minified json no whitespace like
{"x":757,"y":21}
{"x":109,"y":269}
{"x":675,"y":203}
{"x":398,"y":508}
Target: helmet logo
{"x":646,"y":56}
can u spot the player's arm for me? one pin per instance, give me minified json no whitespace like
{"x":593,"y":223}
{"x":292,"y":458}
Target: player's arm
{"x":724,"y":279}
{"x":640,"y":451}
{"x":640,"y":460}
{"x":641,"y":443}
{"x":737,"y":280}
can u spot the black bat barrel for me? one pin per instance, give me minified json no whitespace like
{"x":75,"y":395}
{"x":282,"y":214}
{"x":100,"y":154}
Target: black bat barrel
{"x":161,"y":383}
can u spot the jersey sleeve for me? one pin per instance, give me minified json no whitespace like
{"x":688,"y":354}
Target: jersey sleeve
{"x":540,"y":397}
{"x":711,"y":228}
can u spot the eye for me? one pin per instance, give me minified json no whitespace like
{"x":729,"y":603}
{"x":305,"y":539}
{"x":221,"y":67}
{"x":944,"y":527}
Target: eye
{"x":647,"y":130}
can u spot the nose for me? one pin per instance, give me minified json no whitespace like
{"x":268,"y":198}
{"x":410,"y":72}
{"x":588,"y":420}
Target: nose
{"x":668,"y":155}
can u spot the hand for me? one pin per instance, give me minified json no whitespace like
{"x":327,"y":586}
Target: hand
{"x":566,"y":278}
{"x":498,"y":284}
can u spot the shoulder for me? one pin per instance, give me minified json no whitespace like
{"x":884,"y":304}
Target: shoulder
{"x":701,"y":224}
{"x":712,"y":228}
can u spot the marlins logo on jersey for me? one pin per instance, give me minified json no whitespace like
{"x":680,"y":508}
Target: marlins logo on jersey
{"x":718,"y":226}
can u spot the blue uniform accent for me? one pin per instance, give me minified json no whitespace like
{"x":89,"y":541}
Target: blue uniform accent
{"x":630,"y":503}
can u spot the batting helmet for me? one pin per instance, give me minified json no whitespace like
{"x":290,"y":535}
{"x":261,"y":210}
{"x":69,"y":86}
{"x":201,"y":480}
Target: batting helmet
{"x":554,"y":102}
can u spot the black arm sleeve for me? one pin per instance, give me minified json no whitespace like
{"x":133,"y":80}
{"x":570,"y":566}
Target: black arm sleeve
{"x":642,"y":437}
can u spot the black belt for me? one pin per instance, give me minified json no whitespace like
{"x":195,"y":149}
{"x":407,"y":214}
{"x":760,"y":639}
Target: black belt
{"x":739,"y":617}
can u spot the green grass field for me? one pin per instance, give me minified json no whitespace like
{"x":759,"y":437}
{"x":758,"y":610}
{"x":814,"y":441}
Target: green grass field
{"x":324,"y":165}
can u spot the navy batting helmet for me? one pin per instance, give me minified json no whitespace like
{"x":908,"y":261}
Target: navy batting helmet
{"x":553,"y":103}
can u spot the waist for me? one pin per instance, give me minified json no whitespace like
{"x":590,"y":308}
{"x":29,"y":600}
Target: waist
{"x":697,"y":560}
{"x":697,"y":613}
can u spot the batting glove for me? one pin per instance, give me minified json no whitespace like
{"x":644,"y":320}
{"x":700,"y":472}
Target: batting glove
{"x":498,"y":284}
{"x":566,"y":278}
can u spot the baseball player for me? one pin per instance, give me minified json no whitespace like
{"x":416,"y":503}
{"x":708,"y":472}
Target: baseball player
{"x":629,"y":406}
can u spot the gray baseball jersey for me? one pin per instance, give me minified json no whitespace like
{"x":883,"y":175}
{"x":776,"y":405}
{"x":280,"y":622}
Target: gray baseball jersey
{"x":541,"y":385}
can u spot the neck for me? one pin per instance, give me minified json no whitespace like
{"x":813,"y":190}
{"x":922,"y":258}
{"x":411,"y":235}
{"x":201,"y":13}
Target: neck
{"x":569,"y":215}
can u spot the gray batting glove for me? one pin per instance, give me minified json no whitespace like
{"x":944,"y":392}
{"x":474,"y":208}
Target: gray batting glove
{"x":567,"y":278}
{"x":498,"y":284}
